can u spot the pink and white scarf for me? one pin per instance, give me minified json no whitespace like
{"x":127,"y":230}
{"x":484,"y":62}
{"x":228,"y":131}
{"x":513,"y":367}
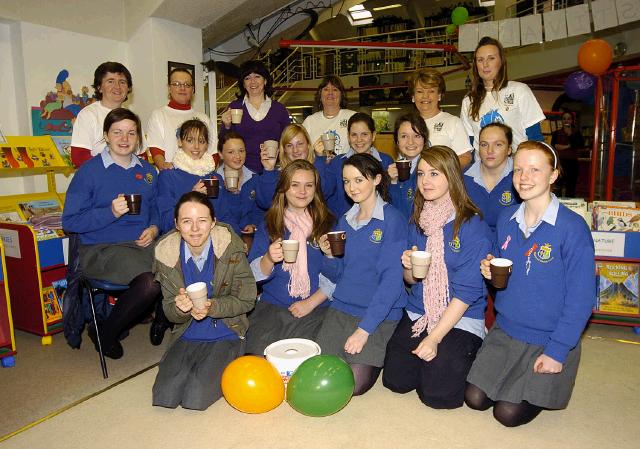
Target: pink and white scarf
{"x":435,"y":287}
{"x":300,"y":227}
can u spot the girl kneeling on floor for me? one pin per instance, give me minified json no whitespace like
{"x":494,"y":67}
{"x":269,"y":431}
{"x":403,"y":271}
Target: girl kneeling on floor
{"x":292,"y":305}
{"x":206,"y":339}
{"x":432,"y":348}
{"x":367,"y":301}
{"x":529,"y":360}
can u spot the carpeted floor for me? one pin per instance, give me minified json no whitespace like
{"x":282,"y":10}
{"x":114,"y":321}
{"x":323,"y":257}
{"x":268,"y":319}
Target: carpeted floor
{"x":603,"y":412}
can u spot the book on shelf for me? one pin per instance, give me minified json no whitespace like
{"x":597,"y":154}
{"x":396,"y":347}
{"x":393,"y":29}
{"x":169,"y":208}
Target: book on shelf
{"x":51,"y":305}
{"x":617,"y":287}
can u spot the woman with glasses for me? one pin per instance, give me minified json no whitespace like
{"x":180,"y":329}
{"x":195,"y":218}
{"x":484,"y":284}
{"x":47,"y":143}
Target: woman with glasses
{"x":164,"y":122}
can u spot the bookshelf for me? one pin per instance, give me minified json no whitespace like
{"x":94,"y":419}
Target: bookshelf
{"x":35,"y":248}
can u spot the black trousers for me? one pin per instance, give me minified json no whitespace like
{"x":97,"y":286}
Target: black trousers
{"x":439,"y":383}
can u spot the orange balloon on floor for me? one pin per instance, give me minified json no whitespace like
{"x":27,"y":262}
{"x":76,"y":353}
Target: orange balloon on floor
{"x":595,"y":56}
{"x":252,"y":385}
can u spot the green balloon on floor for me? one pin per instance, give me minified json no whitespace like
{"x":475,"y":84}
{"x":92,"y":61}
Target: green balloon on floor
{"x":321,"y":386}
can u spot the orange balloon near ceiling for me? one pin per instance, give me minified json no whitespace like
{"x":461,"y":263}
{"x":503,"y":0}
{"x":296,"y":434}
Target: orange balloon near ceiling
{"x":595,"y":56}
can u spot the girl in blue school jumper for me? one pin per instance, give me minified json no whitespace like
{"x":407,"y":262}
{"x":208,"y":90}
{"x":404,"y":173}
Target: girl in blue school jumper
{"x":367,"y":301}
{"x":529,"y":360}
{"x":242,"y":212}
{"x":488,"y":181}
{"x":191,"y":165}
{"x":362,"y":133}
{"x":295,"y":144}
{"x":292,"y":304}
{"x":115,"y":245}
{"x":410,"y":135}
{"x":432,"y":348}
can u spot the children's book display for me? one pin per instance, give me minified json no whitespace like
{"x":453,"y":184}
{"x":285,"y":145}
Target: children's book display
{"x":31,"y":230}
{"x":616,"y":235}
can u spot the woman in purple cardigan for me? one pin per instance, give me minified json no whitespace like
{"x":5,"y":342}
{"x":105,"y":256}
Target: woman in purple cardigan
{"x":262,"y":118}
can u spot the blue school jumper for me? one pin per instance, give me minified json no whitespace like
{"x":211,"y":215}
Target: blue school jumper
{"x":241,"y":206}
{"x":207,"y":329}
{"x":268,"y":180}
{"x":336,"y":197}
{"x":403,"y":193}
{"x":462,"y":256}
{"x":87,"y":209}
{"x":552,"y":288}
{"x":368,"y":277}
{"x":174,"y":183}
{"x":275,"y":286}
{"x":491,"y":203}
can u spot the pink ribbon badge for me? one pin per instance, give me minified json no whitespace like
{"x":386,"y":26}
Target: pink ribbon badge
{"x":506,"y":243}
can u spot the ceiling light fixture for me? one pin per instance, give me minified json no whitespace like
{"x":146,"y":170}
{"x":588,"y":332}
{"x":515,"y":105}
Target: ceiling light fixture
{"x":382,"y":8}
{"x":359,"y":15}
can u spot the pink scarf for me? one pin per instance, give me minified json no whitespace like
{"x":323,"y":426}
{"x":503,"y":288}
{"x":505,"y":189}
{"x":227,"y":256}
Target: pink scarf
{"x":435,"y":287}
{"x":300,"y":227}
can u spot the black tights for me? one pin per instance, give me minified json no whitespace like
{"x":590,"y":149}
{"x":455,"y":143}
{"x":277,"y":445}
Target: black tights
{"x":143,"y":291}
{"x":365,"y":377}
{"x":508,"y":414}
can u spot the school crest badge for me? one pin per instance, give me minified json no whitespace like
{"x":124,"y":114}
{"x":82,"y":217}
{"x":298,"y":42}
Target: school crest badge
{"x":376,"y":236}
{"x":455,"y":245}
{"x":149,"y":178}
{"x":544,"y":253}
{"x":506,"y":198}
{"x":409,"y":193}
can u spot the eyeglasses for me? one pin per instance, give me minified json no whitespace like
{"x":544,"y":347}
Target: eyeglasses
{"x":177,"y":84}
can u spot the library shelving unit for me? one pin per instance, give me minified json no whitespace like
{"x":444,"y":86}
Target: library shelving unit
{"x":624,"y":248}
{"x":35,"y":246}
{"x":7,"y":339}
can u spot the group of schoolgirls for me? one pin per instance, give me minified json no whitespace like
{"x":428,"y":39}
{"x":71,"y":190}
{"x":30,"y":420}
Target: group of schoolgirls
{"x":424,"y":333}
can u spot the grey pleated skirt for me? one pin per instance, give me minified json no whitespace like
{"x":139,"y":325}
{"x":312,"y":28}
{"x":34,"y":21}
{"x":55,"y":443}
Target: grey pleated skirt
{"x":269,"y":323}
{"x":338,"y":326}
{"x":503,"y":369}
{"x":116,"y":262}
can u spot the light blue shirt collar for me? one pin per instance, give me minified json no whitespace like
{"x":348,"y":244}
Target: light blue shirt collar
{"x":474,"y":172}
{"x":198,"y":260}
{"x":550,"y":215}
{"x":372,"y":151}
{"x":107,"y":160}
{"x":352,"y":214}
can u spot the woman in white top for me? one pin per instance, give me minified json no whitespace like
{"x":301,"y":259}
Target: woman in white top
{"x":332,"y":116}
{"x":493,"y":98}
{"x":164,"y":123}
{"x":112,"y":84}
{"x":427,"y":88}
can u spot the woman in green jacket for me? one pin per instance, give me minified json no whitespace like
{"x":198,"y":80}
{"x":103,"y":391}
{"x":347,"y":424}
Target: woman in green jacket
{"x":208,"y":336}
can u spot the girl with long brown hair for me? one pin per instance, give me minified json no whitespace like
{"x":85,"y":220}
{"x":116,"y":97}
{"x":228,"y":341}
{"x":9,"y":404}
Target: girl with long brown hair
{"x":292,"y":304}
{"x":442,"y":327}
{"x":493,"y":98}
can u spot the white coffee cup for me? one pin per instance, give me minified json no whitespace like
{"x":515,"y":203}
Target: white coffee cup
{"x":272,"y":148}
{"x":328,"y":142}
{"x":231,"y":178}
{"x":236,"y":116}
{"x":290,"y":250}
{"x":420,"y":261}
{"x":197,"y":293}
